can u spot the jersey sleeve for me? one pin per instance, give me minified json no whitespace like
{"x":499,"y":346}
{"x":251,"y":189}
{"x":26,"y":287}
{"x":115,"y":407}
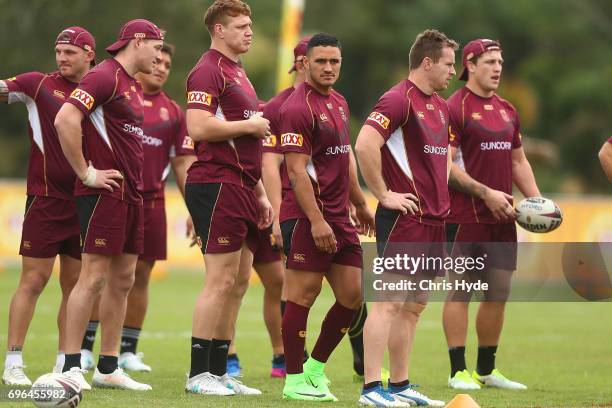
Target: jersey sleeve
{"x":296,"y":130}
{"x":455,"y":123}
{"x":205,"y":85}
{"x":23,"y":85}
{"x":389,"y":113}
{"x":183,"y":144}
{"x":271,"y":144}
{"x":95,"y":89}
{"x":516,"y":137}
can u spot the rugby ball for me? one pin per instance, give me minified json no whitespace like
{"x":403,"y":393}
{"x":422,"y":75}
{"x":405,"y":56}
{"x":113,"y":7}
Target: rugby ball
{"x":56,"y":390}
{"x":538,"y":214}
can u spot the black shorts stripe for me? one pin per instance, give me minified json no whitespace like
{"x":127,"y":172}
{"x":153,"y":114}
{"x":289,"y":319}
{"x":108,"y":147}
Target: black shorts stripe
{"x":287,"y":228}
{"x":201,"y":200}
{"x":86,"y":206}
{"x":385,"y":222}
{"x":451,"y":231}
{"x":29,"y":201}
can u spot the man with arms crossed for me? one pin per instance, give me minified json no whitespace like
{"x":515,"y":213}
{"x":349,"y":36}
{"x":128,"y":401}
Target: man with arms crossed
{"x":224,"y":192}
{"x":165,"y":144}
{"x":319,"y":239}
{"x":50,"y":226}
{"x":402,"y":150}
{"x":106,"y":155}
{"x":488,"y":157}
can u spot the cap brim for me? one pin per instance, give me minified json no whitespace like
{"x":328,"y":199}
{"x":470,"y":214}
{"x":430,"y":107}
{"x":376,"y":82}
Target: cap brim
{"x":464,"y":74}
{"x":292,"y":69}
{"x":115,"y":47}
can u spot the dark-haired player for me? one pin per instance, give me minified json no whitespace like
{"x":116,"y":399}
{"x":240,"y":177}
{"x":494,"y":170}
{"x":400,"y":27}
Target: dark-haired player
{"x":319,"y":239}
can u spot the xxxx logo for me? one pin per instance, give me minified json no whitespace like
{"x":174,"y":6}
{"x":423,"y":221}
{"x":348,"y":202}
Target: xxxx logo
{"x":302,"y":334}
{"x":223,"y":240}
{"x":188,"y":143}
{"x":299,"y":257}
{"x":199,"y":97}
{"x":379,"y":118}
{"x":270,"y":141}
{"x":292,"y":139}
{"x":86,"y":99}
{"x":27,"y":245}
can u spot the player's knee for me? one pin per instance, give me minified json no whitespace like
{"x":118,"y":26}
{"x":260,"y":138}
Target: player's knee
{"x":415,"y":308}
{"x":34,"y":284}
{"x":141,"y":281}
{"x":95,"y":284}
{"x":386,"y":310}
{"x":121,"y":284}
{"x":497,"y":293}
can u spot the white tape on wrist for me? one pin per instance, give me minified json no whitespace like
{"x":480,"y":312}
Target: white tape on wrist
{"x":90,"y":177}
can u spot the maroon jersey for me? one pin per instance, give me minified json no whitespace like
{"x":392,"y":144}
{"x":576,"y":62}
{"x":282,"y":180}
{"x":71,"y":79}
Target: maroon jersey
{"x":49,"y":173}
{"x":113,"y":101}
{"x":271,"y":144}
{"x":317,"y":125}
{"x":165,"y":136}
{"x":414,"y":126}
{"x":484,"y":131}
{"x":220,"y":86}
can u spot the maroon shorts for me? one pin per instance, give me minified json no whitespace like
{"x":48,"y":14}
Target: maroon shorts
{"x":302,"y":253}
{"x":110,"y":226}
{"x":398,"y":234}
{"x":265,"y":253}
{"x":155,"y":231}
{"x":497,"y":241}
{"x":224,"y":216}
{"x":50,"y":227}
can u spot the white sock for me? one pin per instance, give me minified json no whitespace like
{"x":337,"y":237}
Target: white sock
{"x":60,"y":360}
{"x":13,"y":358}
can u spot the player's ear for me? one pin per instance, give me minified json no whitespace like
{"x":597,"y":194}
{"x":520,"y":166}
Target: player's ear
{"x":219,"y":30}
{"x":427,"y":63}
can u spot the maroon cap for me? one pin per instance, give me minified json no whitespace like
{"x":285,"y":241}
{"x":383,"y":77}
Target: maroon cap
{"x":299,"y":51}
{"x":79,"y":37}
{"x":474,"y":49}
{"x":133,"y":29}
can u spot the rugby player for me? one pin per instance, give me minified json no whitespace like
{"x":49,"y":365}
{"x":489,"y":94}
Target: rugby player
{"x":224,"y":192}
{"x":319,"y":239}
{"x":106,"y":154}
{"x":50,"y":226}
{"x":165,"y":145}
{"x":402,"y":151}
{"x":488,"y":157}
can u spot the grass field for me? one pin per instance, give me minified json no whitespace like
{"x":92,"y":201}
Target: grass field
{"x":561,"y":350}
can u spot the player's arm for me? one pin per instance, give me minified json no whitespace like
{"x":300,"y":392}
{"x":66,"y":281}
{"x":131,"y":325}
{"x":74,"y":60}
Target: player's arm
{"x":497,"y":201}
{"x":302,"y":187}
{"x":204,"y":126}
{"x":68,"y":126}
{"x":522,"y":174}
{"x":270,"y":175}
{"x":605,"y":157}
{"x":363,"y":216}
{"x":367,"y":149}
{"x":180,"y":165}
{"x":4,"y":92}
{"x":265,"y":211}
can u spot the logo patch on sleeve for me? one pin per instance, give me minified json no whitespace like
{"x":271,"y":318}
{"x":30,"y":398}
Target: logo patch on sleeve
{"x":379,"y":118}
{"x":188,"y":143}
{"x":202,"y":98}
{"x":86,"y":99}
{"x":270,"y":141}
{"x":292,"y":139}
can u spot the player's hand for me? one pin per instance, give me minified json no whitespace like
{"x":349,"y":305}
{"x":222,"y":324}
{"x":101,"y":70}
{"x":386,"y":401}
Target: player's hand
{"x":365,"y":221}
{"x":190,"y":232}
{"x":105,"y":179}
{"x":500,"y":204}
{"x":324,"y":238}
{"x":404,"y":202}
{"x":260,"y":126}
{"x":276,"y":238}
{"x":265,"y":212}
